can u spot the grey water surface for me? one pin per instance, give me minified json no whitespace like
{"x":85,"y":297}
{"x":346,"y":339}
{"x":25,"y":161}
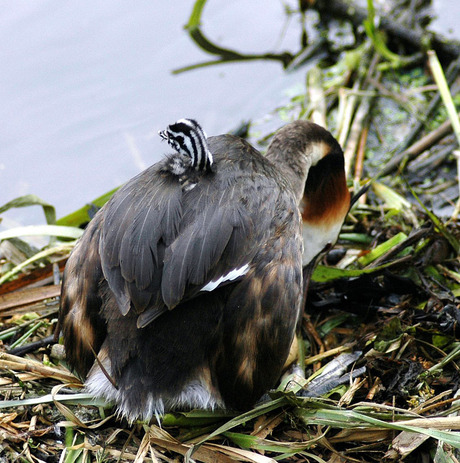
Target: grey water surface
{"x":85,"y":86}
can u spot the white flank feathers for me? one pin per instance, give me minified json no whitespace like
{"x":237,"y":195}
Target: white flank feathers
{"x":230,"y":276}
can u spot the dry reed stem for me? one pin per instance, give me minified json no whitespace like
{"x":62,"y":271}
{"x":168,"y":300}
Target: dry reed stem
{"x":362,"y":113}
{"x":12,"y":362}
{"x":323,"y":355}
{"x":441,"y":423}
{"x":316,"y":96}
{"x":418,"y":147}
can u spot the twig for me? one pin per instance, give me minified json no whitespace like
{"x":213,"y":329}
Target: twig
{"x":62,"y":248}
{"x":347,"y":104}
{"x":356,"y":15}
{"x":418,"y":147}
{"x":361,"y":116}
{"x":457,"y":206}
{"x":329,"y":353}
{"x":451,"y":75}
{"x":359,"y":163}
{"x":32,"y":346}
{"x":450,"y":423}
{"x":37,"y":277}
{"x":15,"y":363}
{"x":28,"y":296}
{"x":225,"y":55}
{"x":362,"y":113}
{"x":353,"y":134}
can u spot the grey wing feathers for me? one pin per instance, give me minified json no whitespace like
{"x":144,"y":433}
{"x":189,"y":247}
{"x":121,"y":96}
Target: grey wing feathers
{"x":137,"y":229}
{"x":161,"y":248}
{"x":192,"y":258}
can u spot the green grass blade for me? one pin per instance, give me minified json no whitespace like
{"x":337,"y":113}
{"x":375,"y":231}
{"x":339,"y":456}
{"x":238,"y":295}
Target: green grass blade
{"x":245,"y":417}
{"x":195,"y":17}
{"x":382,"y":249}
{"x":42,"y":230}
{"x":392,"y":199}
{"x":323,"y":273}
{"x":32,"y":200}
{"x":441,"y":82}
{"x":347,"y":419}
{"x":81,"y":216}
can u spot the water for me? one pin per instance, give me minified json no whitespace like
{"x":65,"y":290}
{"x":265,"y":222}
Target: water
{"x":446,"y":18}
{"x":85,"y":86}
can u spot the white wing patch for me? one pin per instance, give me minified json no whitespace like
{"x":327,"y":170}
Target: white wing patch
{"x":230,"y":276}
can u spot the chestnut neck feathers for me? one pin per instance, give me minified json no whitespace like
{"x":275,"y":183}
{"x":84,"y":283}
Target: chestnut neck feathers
{"x":297,"y":147}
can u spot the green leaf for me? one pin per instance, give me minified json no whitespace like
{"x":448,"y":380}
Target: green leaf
{"x":323,"y":274}
{"x":360,"y":238}
{"x":442,"y":456}
{"x":391,"y":333}
{"x":381,"y":249}
{"x":245,"y":417}
{"x":391,"y":199}
{"x":194,"y":418}
{"x":347,"y":419}
{"x":377,"y":37}
{"x":80,"y":216}
{"x":441,"y":341}
{"x":446,"y":96}
{"x":195,"y":18}
{"x":32,"y":200}
{"x":42,"y":230}
{"x":246,"y":441}
{"x":333,"y":322}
